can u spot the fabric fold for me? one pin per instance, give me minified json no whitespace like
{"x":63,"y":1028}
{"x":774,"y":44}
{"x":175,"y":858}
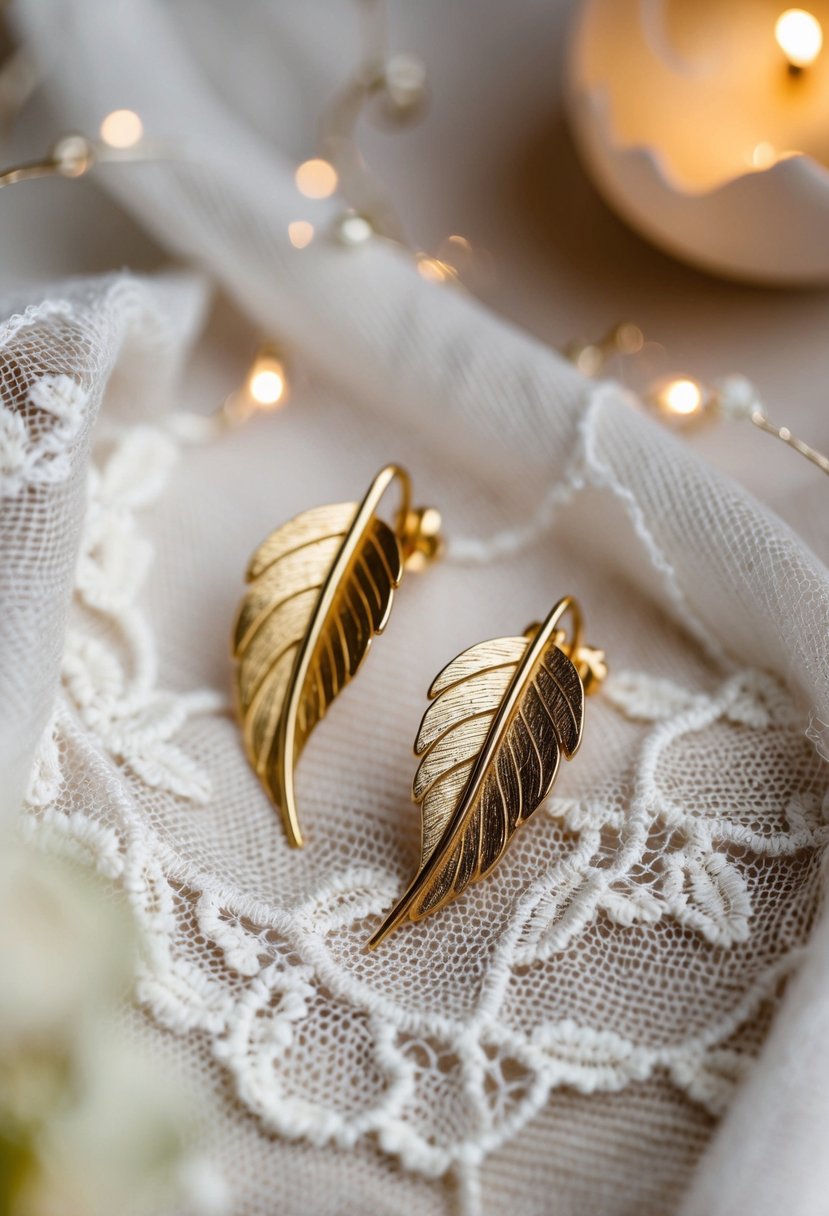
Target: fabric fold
{"x":58,"y":348}
{"x":514,"y":418}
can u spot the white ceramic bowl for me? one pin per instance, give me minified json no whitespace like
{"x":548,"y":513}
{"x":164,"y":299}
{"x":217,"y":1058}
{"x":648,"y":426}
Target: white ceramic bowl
{"x":677,"y":106}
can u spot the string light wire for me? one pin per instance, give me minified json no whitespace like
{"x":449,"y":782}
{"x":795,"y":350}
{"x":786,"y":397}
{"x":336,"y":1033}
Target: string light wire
{"x":683,"y":400}
{"x":782,"y":432}
{"x":399,"y":81}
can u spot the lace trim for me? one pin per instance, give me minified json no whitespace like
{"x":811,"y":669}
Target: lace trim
{"x":700,"y":886}
{"x":35,"y":441}
{"x":109,"y":674}
{"x":281,"y":981}
{"x":32,"y":315}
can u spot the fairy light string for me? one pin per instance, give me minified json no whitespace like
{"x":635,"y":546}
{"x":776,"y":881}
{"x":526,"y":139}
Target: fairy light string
{"x":397,"y":82}
{"x":683,"y":400}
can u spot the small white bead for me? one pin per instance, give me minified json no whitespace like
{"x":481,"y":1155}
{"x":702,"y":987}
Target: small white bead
{"x":354,"y":229}
{"x":405,"y":79}
{"x":736,"y":397}
{"x":73,"y":155}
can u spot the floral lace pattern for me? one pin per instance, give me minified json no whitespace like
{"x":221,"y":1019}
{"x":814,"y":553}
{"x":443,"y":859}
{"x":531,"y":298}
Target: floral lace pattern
{"x":35,"y":441}
{"x":288,"y":1001}
{"x":109,"y":675}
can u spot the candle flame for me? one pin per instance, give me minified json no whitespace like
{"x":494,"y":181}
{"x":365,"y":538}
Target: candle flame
{"x":799,"y":36}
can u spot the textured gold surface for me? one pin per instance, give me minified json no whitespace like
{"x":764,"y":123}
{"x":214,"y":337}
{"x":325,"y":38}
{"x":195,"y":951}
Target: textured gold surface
{"x":502,"y":713}
{"x":320,"y":587}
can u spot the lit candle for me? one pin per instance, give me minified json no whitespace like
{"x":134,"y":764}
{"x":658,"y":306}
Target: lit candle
{"x":705,"y":125}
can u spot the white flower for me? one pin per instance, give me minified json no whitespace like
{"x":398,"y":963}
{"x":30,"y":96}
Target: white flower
{"x":116,"y":1139}
{"x":99,"y":1126}
{"x":59,"y":956}
{"x":203,"y":1188}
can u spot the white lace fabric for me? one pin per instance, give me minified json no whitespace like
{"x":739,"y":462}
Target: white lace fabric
{"x":574,"y":1025}
{"x":635,"y":937}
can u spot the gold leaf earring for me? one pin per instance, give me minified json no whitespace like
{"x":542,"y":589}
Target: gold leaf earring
{"x":490,"y":743}
{"x":320,"y":587}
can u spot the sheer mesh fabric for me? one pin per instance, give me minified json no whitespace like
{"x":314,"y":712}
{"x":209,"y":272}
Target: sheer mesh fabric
{"x":634,"y":943}
{"x":572,"y":1028}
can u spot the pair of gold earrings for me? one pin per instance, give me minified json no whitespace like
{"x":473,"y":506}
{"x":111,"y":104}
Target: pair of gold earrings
{"x":501,"y":713}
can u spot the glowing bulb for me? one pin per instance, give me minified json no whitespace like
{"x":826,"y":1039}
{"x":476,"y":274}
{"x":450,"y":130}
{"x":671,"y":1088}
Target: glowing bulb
{"x":316,"y":178}
{"x":266,"y":387}
{"x":799,"y":36}
{"x":266,"y":380}
{"x":122,"y":129}
{"x":681,"y":397}
{"x":300,"y":233}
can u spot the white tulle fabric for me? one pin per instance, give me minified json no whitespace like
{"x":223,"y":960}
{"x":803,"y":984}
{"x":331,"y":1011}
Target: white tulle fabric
{"x":575,"y":1025}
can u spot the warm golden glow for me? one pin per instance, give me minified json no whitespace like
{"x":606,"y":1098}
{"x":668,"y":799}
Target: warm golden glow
{"x":628,"y":338}
{"x":316,"y":179}
{"x":799,"y":36}
{"x":681,"y":396}
{"x":266,"y":382}
{"x":300,"y":233}
{"x":122,"y":129}
{"x":434,"y":270}
{"x":588,"y":357}
{"x":266,"y":387}
{"x":763,"y":156}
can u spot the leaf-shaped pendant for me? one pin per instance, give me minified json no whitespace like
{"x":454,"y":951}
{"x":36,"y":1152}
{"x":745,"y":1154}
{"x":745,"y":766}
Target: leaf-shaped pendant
{"x":502,"y":713}
{"x":320,"y":587}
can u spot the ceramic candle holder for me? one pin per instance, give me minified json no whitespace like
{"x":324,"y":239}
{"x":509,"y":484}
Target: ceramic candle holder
{"x":707,"y":134}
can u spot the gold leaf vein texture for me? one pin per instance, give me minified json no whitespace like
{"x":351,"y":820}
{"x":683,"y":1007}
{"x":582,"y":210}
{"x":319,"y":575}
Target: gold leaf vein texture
{"x":319,"y":589}
{"x":501,"y":716}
